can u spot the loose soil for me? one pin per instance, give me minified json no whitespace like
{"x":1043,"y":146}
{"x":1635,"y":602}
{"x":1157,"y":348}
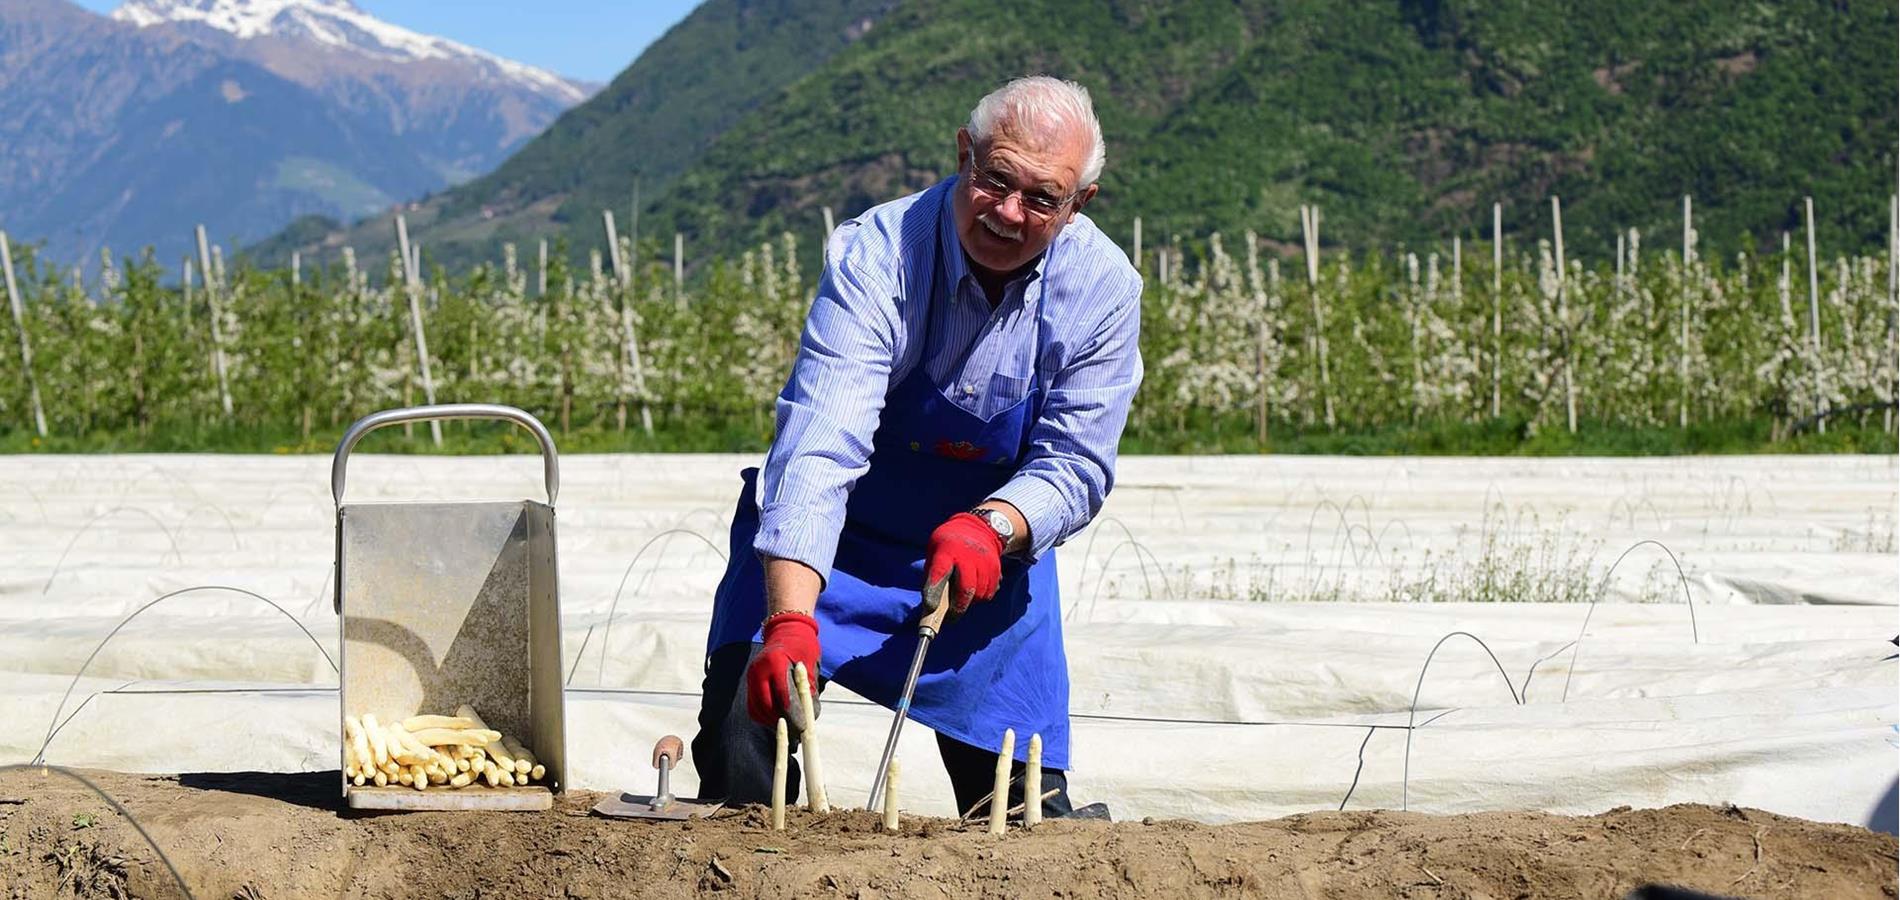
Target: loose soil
{"x":283,"y":836}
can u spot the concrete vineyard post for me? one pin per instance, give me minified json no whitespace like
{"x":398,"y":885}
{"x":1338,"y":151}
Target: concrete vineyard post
{"x":1497,"y":309}
{"x":1784,"y":287}
{"x":1682,"y":357}
{"x":541,"y":278}
{"x":1137,"y":254}
{"x":412,"y":287}
{"x":1309,"y":228}
{"x":1457,"y":268}
{"x":620,"y":281}
{"x":679,"y":268}
{"x":217,"y":328}
{"x":1568,"y":340}
{"x":1413,"y":299}
{"x":1814,"y":325}
{"x":1260,"y":340}
{"x":623,"y":272}
{"x":1617,"y":285}
{"x":26,"y":348}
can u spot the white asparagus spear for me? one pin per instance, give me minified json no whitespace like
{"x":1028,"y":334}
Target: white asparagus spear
{"x":779,"y":761}
{"x":535,"y":773}
{"x":403,"y":738}
{"x":890,"y":798}
{"x":999,"y":794}
{"x":808,"y":742}
{"x":462,"y":778}
{"x":468,"y":712}
{"x":524,"y":758}
{"x":379,"y":751}
{"x":400,"y":747}
{"x":1032,"y":783}
{"x":418,"y":723}
{"x":418,"y":779}
{"x":381,"y":778}
{"x":498,"y":751}
{"x":359,"y":744}
{"x":467,"y":737}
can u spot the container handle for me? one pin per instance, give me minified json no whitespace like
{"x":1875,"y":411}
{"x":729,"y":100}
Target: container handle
{"x":373,"y":421}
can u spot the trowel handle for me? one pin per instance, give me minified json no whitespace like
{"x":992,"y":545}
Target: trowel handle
{"x":669,"y":750}
{"x":936,"y":603}
{"x":373,"y":421}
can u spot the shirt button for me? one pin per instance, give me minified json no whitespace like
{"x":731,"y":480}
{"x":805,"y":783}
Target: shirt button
{"x":969,"y":390}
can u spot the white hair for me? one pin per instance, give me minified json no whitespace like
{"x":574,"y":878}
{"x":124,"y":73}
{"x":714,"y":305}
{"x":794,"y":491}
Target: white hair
{"x":1039,"y":100}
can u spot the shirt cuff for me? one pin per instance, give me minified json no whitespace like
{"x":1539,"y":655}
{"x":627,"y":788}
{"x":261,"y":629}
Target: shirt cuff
{"x":790,"y":531}
{"x":1043,"y":506}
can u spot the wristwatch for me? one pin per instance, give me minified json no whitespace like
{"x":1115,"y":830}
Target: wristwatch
{"x":998,"y":523}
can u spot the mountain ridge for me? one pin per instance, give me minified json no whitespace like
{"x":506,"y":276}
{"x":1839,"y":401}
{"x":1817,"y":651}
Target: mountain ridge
{"x":334,"y":24}
{"x":126,"y":135}
{"x":724,"y":60}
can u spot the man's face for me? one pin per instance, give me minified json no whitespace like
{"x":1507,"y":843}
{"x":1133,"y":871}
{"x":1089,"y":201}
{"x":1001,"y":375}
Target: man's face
{"x":996,"y":206}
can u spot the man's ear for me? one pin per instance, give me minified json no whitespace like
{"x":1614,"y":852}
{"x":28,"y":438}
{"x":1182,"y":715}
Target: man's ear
{"x":1082,"y":199}
{"x":963,"y":146}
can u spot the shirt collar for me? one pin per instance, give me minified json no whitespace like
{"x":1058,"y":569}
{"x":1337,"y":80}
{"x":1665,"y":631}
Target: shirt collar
{"x":956,"y":265}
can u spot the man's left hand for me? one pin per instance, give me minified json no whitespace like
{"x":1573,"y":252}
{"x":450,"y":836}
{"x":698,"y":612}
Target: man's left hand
{"x":969,"y":552}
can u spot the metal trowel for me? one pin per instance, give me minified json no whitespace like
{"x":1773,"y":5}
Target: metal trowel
{"x":936,"y":608}
{"x":661,"y":804}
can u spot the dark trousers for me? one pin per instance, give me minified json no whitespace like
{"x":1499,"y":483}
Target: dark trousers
{"x":734,"y":754}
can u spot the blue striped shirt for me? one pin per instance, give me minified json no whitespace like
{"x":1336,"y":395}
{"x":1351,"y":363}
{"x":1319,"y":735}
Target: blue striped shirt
{"x":872,"y":323}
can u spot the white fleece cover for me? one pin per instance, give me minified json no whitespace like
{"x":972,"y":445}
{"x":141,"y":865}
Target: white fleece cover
{"x":1274,"y":613}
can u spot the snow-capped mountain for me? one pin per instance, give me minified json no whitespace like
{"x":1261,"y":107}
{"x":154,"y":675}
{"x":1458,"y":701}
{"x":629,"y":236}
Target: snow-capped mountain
{"x":243,"y":115}
{"x":338,"y":25}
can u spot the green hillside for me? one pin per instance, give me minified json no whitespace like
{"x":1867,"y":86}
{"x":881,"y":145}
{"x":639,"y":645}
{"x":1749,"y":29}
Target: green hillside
{"x":1403,"y":120}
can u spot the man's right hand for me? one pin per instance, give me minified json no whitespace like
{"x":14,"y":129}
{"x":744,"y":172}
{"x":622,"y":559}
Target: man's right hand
{"x":790,"y":637}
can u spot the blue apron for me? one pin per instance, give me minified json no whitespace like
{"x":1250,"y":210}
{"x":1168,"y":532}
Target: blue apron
{"x":999,"y":666}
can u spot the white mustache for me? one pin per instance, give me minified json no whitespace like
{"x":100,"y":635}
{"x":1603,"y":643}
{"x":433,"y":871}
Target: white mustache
{"x":1000,"y":230}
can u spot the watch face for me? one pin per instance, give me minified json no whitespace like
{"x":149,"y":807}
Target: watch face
{"x":999,"y":523}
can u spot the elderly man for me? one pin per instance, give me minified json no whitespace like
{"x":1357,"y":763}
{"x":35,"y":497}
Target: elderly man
{"x":960,"y":387}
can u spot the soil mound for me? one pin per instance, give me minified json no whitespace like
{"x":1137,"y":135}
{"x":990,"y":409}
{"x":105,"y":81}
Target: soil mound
{"x":252,"y":835}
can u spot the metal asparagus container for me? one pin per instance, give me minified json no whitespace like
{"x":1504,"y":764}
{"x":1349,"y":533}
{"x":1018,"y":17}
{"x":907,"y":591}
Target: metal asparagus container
{"x":450,"y":603}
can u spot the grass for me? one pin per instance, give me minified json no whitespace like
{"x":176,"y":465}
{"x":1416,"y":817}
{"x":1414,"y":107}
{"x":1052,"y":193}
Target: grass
{"x":1496,"y":437}
{"x":458,"y":438}
{"x":1511,"y":437}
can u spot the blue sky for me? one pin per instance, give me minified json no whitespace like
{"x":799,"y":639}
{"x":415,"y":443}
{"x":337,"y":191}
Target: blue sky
{"x":586,"y":39}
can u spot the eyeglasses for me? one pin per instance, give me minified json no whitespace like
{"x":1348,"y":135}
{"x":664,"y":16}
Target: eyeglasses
{"x":1036,"y":203}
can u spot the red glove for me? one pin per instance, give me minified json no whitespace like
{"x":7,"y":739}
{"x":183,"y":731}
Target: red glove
{"x":790,"y":637}
{"x":969,"y":547}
